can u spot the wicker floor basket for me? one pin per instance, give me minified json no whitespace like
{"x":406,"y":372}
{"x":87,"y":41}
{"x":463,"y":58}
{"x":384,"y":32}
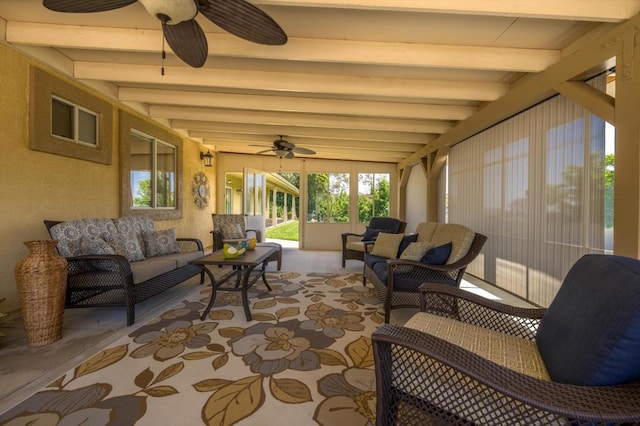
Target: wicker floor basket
{"x":41,"y":278}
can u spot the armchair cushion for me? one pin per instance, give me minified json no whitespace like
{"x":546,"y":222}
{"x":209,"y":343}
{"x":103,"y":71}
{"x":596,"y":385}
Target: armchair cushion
{"x":590,"y":334}
{"x":232,"y":231}
{"x":370,"y":234}
{"x":389,"y":225}
{"x":515,"y":353}
{"x":387,"y":245}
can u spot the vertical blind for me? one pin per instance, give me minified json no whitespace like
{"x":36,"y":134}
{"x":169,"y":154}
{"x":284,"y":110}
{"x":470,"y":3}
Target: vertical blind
{"x":534,"y":184}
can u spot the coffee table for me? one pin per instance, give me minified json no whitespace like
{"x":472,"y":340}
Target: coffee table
{"x":243,"y":270}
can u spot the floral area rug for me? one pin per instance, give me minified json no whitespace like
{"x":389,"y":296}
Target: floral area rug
{"x":305,"y":359}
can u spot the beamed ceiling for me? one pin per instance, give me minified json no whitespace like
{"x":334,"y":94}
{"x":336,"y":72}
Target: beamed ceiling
{"x":370,"y":80}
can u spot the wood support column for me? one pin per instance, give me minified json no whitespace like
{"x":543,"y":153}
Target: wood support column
{"x":626,"y":222}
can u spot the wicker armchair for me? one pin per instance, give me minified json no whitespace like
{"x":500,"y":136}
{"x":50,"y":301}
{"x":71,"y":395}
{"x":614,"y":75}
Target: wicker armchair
{"x":222,"y":223}
{"x":353,"y":245}
{"x":468,"y":360}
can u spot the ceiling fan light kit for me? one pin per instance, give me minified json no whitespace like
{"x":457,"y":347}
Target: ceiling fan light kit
{"x":175,"y":10}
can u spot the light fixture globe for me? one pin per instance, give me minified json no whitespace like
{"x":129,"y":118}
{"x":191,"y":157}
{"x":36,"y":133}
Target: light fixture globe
{"x":171,"y":12}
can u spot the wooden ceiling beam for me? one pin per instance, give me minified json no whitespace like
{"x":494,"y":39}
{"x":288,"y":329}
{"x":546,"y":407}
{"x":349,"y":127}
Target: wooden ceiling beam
{"x":296,"y":82}
{"x":304,"y":131}
{"x":296,"y":49}
{"x":583,"y":10}
{"x":297,"y":104}
{"x":298,"y":119}
{"x":313,"y":143}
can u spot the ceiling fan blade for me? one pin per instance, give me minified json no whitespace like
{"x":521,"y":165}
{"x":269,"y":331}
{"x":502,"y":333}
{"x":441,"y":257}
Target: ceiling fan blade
{"x":265,"y":151}
{"x":84,"y":6}
{"x":187,"y":40}
{"x":300,"y":150}
{"x":244,"y":20}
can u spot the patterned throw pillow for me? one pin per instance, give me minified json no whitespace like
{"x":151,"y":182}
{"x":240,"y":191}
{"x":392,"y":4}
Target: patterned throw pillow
{"x":414,"y":251}
{"x":386,"y":245}
{"x":95,"y":246}
{"x":162,"y":242}
{"x":126,"y":244}
{"x":232,"y":231}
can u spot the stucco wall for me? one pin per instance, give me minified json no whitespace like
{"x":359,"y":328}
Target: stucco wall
{"x":37,"y":185}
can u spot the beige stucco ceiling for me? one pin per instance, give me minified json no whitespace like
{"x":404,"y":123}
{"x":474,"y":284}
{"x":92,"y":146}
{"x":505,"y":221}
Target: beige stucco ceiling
{"x":370,"y":80}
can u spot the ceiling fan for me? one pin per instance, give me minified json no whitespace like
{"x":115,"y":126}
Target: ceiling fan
{"x":285,"y":149}
{"x":179,"y":27}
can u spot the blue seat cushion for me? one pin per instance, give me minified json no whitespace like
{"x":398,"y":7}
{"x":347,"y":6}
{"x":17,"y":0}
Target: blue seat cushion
{"x":371,"y":259}
{"x":408,"y":281}
{"x":590,"y":334}
{"x":380,"y":269}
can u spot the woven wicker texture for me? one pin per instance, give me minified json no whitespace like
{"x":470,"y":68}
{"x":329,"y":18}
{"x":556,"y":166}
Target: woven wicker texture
{"x":426,"y":380}
{"x":107,"y":280}
{"x":401,"y":288}
{"x":41,"y":279}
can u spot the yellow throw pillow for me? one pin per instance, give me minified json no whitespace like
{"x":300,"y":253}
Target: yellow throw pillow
{"x":387,"y":245}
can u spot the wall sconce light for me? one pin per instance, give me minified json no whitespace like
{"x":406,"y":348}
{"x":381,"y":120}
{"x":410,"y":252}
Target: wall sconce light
{"x":208,"y":159}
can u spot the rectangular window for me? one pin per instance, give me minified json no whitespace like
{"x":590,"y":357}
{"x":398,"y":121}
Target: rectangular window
{"x":73,"y":123}
{"x":152,"y":157}
{"x":373,"y":196}
{"x":328,"y":197}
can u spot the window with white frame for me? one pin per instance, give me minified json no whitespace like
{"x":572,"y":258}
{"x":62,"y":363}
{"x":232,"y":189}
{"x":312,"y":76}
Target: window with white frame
{"x":152,"y":172}
{"x":373,"y":196}
{"x":73,"y":122}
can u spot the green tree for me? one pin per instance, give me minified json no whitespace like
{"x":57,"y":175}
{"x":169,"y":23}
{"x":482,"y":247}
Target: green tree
{"x":143,"y":195}
{"x":609,"y":185}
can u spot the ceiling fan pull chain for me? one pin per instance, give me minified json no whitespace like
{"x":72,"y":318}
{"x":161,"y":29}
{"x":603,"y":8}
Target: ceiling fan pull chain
{"x":164,"y":54}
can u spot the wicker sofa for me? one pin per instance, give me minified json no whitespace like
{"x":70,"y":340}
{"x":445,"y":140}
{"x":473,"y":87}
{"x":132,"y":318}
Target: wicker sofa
{"x":449,"y":249}
{"x":121,"y":262}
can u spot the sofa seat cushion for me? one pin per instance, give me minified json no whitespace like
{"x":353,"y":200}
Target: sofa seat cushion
{"x":590,"y":334}
{"x":152,"y":267}
{"x":70,"y":234}
{"x":182,"y":259}
{"x":514,"y":353}
{"x":380,"y":268}
{"x":370,"y":260}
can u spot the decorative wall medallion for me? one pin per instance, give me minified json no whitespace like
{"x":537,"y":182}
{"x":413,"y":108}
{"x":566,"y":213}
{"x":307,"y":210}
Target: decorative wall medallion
{"x":200,"y":190}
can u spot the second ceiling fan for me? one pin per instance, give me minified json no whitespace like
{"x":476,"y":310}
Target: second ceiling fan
{"x":182,"y":31}
{"x":285,"y":149}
